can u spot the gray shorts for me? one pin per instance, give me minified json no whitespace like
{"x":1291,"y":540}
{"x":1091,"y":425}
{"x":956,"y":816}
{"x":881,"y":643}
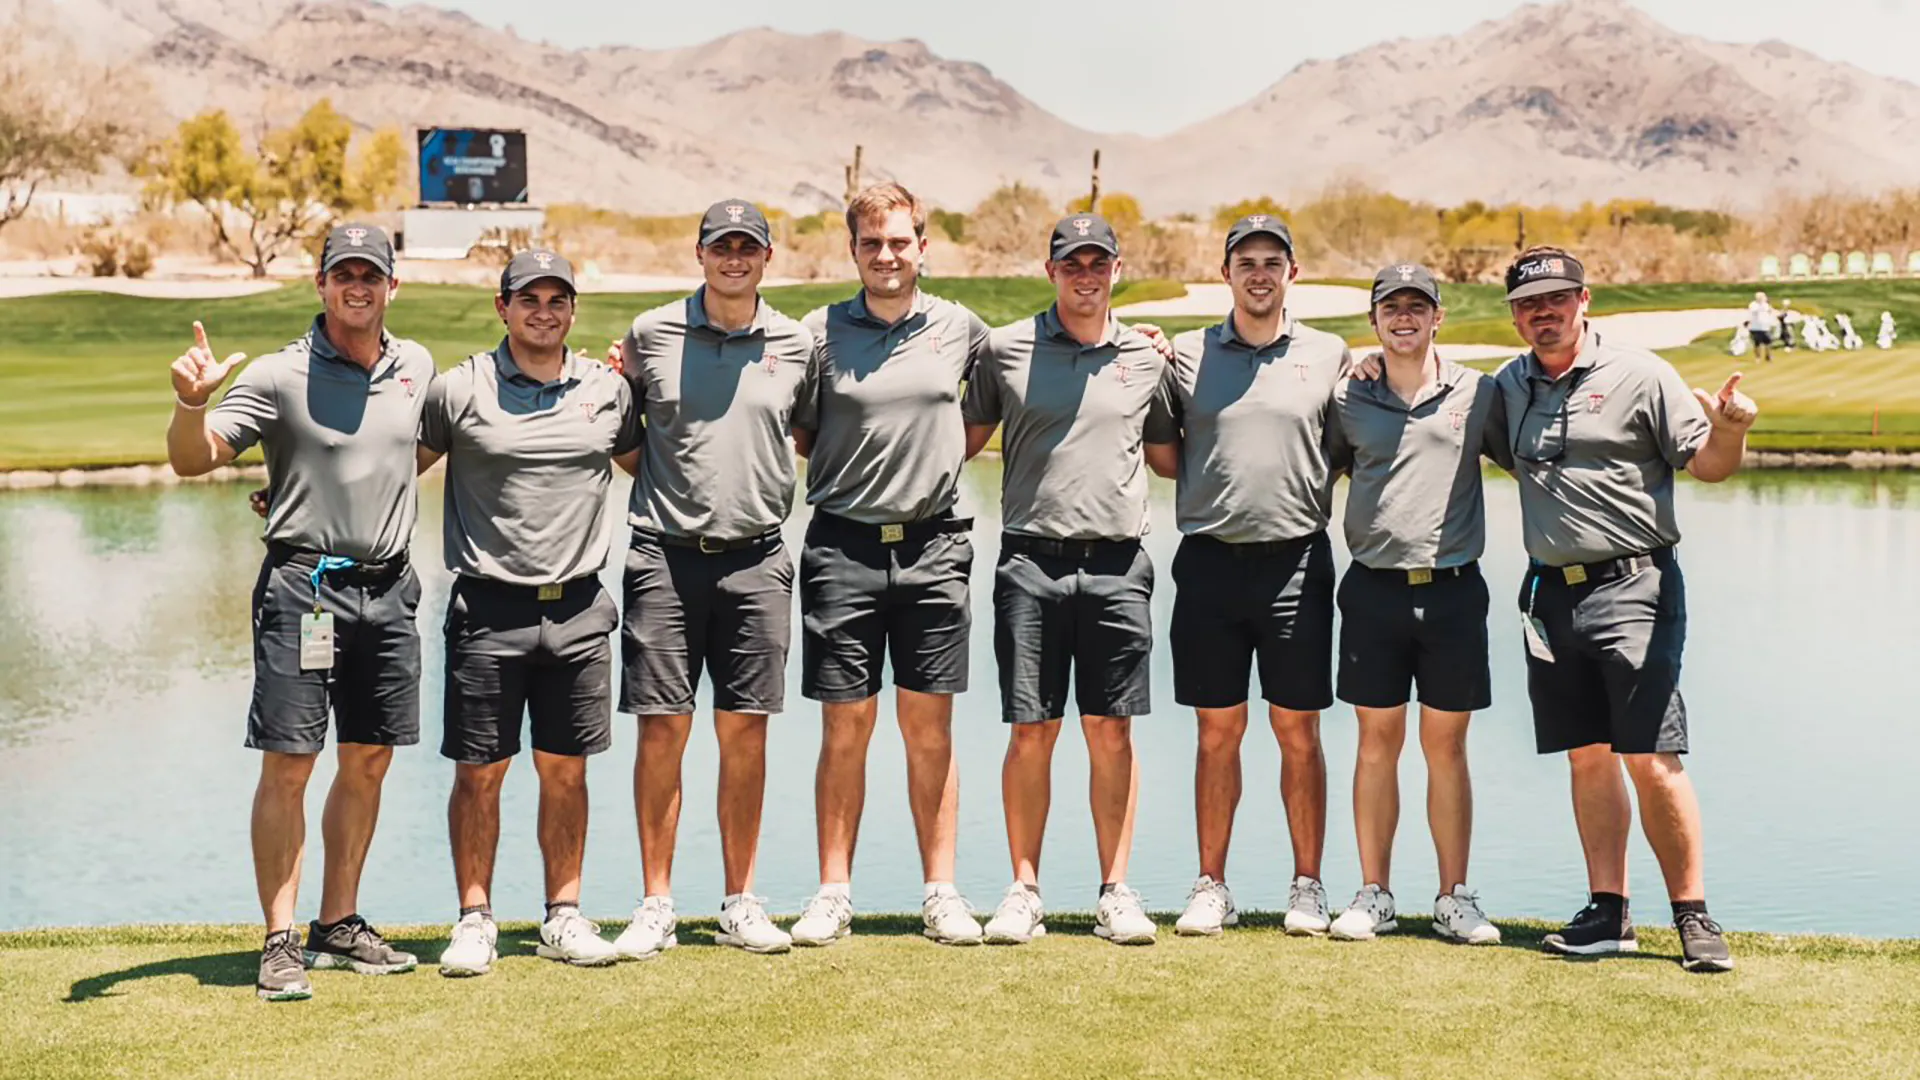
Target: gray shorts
{"x":1615,"y":673}
{"x":863,"y":602}
{"x":729,"y":614}
{"x":373,"y":688}
{"x":1062,"y":620}
{"x":512,"y":655}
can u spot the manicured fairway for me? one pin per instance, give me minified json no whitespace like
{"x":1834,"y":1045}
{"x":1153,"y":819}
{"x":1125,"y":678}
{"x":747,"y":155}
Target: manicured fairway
{"x":179,"y":1002}
{"x":83,"y":377}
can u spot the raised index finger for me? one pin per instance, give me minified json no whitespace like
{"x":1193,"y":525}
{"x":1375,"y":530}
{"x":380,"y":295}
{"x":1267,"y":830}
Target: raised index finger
{"x":200,"y":335}
{"x":1733,"y":381}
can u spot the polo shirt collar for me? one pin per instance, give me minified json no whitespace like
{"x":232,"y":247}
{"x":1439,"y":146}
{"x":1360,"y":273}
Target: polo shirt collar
{"x":1052,"y":327}
{"x":1230,"y":334}
{"x":1445,"y":379}
{"x":319,"y":345}
{"x":1591,"y":356}
{"x":697,"y":314}
{"x":858,"y":308}
{"x":510,"y":372}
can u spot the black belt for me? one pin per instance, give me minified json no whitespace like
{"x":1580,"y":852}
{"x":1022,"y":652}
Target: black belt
{"x":1595,"y":573}
{"x":1255,"y":549}
{"x":1077,"y":550}
{"x":1422,"y":575}
{"x":708,"y":545}
{"x":362,"y":571}
{"x":506,"y":590}
{"x":904,"y":532}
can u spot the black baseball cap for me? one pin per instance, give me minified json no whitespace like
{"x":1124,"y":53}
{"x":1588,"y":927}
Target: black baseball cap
{"x":1076,"y":231}
{"x":355,"y":240}
{"x":530,"y":266}
{"x":1412,"y":276}
{"x":735,"y":216}
{"x":1260,"y":225}
{"x":1545,"y":273}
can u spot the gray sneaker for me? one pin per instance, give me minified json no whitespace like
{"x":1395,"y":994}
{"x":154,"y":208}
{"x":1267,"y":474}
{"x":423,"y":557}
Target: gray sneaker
{"x":356,"y":946}
{"x":283,"y":972}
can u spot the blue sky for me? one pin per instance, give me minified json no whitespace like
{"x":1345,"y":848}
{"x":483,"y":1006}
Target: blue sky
{"x":1153,"y":67}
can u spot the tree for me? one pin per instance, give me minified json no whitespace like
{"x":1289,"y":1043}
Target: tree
{"x":298,"y":184}
{"x":59,"y":116}
{"x":1011,"y":222}
{"x":1121,"y":210}
{"x":1225,"y":216}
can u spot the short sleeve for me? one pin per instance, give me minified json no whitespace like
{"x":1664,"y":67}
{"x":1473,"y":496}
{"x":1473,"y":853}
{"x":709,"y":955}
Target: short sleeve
{"x":249,"y":410}
{"x":979,"y":344}
{"x":1678,"y":424}
{"x":1163,"y":412}
{"x":806,"y":407}
{"x":1495,"y":441}
{"x":436,"y":418}
{"x":981,"y":403}
{"x":632,"y":432}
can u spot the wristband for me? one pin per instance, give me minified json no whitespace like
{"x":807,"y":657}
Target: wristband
{"x":182,"y":402}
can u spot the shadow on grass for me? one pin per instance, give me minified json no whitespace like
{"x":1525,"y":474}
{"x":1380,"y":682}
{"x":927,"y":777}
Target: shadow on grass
{"x":229,"y":970}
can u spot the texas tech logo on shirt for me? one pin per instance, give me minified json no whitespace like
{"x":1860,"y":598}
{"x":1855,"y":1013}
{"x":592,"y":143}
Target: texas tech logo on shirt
{"x":1595,"y":401}
{"x":407,"y":385}
{"x":1458,"y":418}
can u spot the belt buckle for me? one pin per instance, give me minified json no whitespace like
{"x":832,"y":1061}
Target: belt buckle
{"x":1419,"y":576}
{"x":892,"y":534}
{"x":1574,"y":575}
{"x":710,"y":546}
{"x":553,"y":591}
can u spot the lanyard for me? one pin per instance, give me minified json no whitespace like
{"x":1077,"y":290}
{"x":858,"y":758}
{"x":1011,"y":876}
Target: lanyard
{"x":320,"y":569}
{"x":1533,"y":588}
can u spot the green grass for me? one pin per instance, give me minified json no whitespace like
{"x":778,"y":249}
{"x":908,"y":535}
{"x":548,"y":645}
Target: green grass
{"x":178,"y":1001}
{"x":83,"y":375}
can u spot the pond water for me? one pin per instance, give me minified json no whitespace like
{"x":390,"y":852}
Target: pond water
{"x":124,"y":788}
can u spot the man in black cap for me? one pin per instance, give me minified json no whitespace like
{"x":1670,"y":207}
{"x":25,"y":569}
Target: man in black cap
{"x":1598,"y":430}
{"x":709,"y":585}
{"x":337,"y":413}
{"x":1413,"y":603}
{"x":1243,"y":428}
{"x":1073,"y":589}
{"x":530,"y":434}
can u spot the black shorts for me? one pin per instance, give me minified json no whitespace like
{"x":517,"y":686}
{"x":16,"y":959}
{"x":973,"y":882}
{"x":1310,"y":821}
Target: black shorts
{"x":1395,"y":636}
{"x":511,"y":654}
{"x":863,"y":601}
{"x":1233,"y":603}
{"x":373,"y":688}
{"x":729,"y":613}
{"x":1761,"y":337}
{"x":1615,"y":674}
{"x":1065,"y":617}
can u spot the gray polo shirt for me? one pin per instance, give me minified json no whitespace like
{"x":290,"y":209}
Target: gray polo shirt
{"x":889,"y":441}
{"x":528,"y":464}
{"x":1074,"y":414}
{"x":1415,"y":498}
{"x":1595,"y":450}
{"x":1252,"y":426}
{"x":718,"y":406}
{"x":338,"y":440}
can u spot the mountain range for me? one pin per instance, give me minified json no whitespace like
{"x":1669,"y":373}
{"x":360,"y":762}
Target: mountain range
{"x":1557,"y":102}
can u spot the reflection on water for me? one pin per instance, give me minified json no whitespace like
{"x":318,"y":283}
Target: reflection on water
{"x":124,"y":787}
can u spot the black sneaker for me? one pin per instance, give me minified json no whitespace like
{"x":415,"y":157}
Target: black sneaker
{"x":1593,"y":932}
{"x":283,"y":973}
{"x":355,"y":945}
{"x":1701,"y":945}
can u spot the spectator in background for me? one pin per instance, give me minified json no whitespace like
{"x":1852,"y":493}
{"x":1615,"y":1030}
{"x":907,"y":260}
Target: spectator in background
{"x":1763,"y":324}
{"x":1790,"y":321}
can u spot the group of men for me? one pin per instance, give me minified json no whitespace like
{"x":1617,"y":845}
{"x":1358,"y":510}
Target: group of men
{"x":887,"y":395}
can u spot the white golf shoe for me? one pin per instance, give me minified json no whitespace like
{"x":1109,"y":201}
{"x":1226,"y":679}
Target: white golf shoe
{"x":1457,"y":917}
{"x":1307,"y":907}
{"x":947,"y":918}
{"x":573,"y":938}
{"x":473,"y":949}
{"x":654,"y":930}
{"x":1370,"y":913}
{"x":744,"y":925}
{"x":1209,"y":909}
{"x":1122,"y":919}
{"x":827,"y":918}
{"x":1018,"y":919}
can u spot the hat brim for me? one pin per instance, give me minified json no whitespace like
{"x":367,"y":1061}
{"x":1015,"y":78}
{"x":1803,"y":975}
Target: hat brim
{"x":1285,"y":240}
{"x":1381,"y":295}
{"x":759,"y":236}
{"x":1082,"y":245}
{"x":382,"y":265}
{"x":1542,"y":286}
{"x":529,"y":280}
